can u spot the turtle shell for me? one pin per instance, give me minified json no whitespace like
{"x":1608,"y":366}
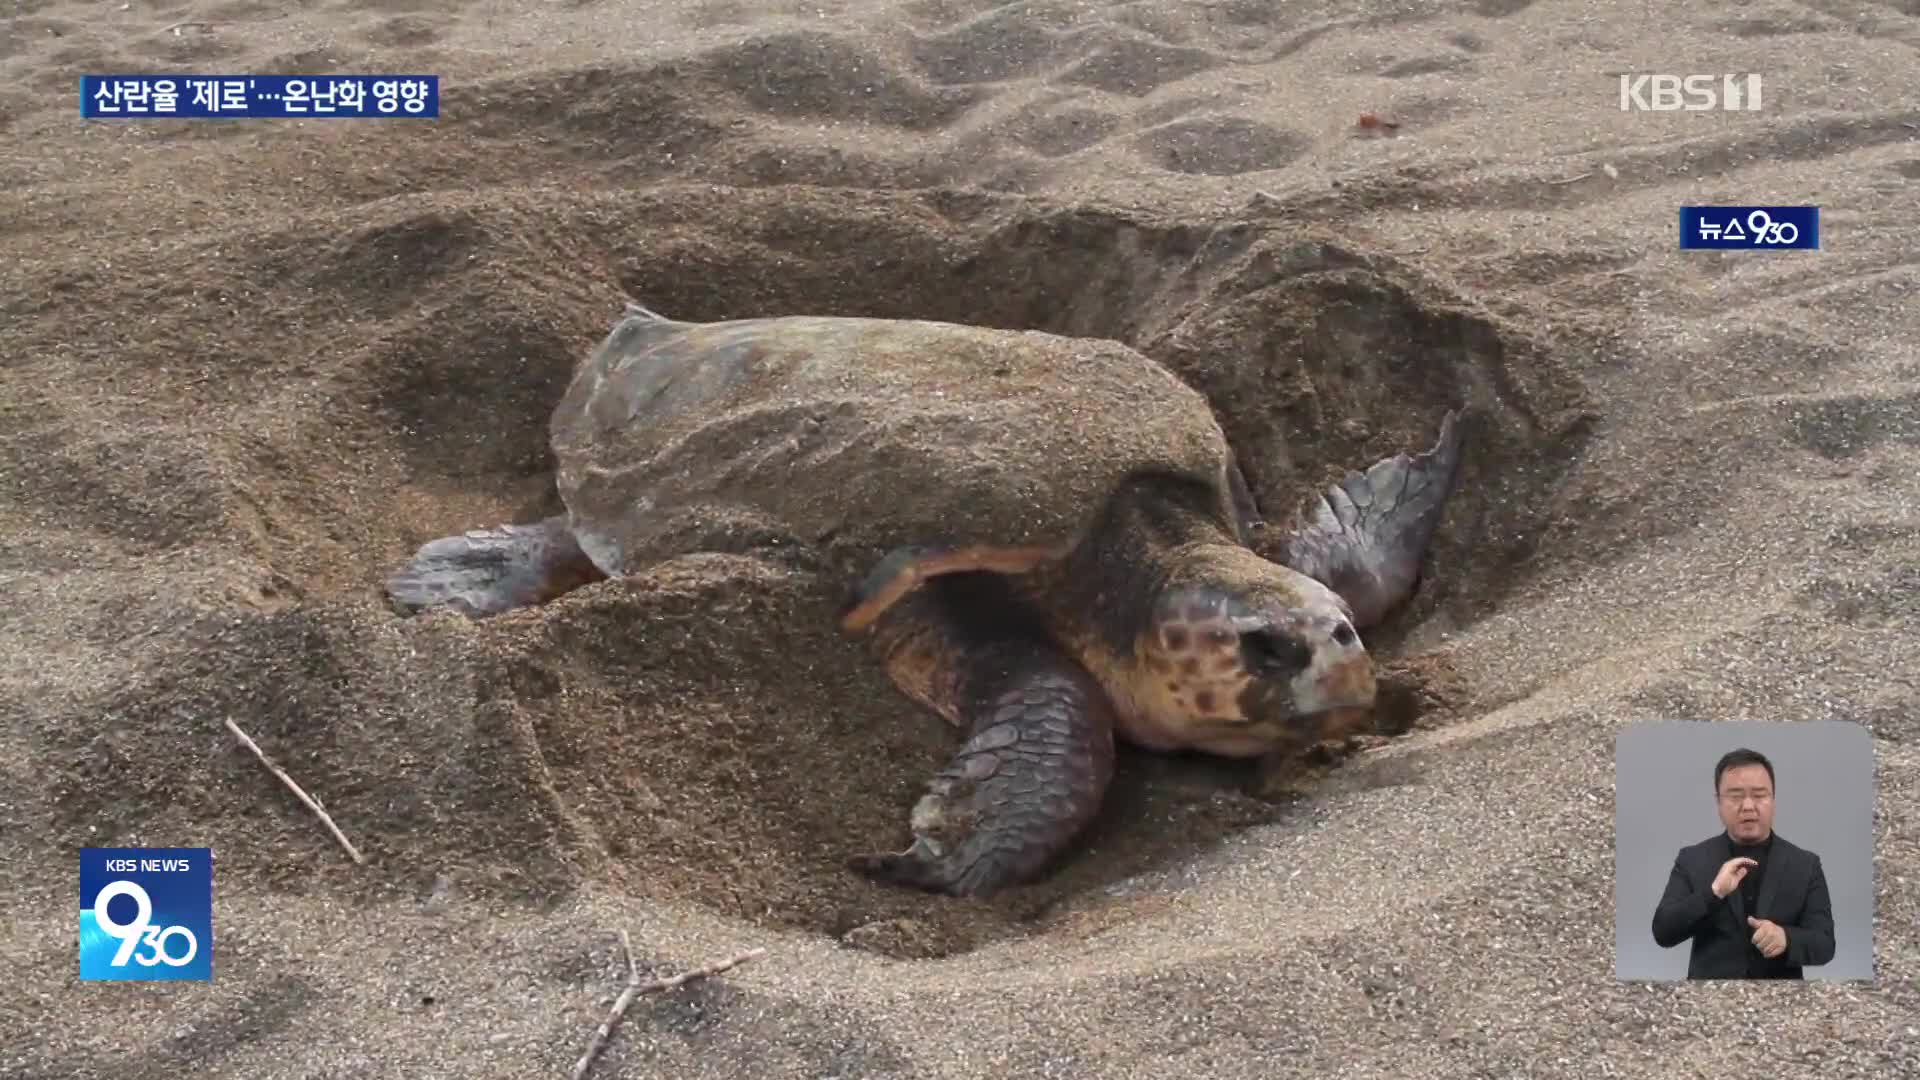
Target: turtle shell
{"x":861,"y":434}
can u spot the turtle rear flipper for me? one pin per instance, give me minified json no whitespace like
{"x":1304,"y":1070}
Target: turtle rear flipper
{"x":487,"y":571}
{"x":1365,"y":536}
{"x":1039,"y":755}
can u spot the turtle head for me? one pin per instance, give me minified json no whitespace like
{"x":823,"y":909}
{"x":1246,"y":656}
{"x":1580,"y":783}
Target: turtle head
{"x":1253,"y":653}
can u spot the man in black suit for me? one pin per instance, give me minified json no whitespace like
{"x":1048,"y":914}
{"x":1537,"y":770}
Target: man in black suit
{"x":1755,"y":905}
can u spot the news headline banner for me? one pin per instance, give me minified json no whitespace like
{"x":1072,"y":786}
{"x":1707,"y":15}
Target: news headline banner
{"x":201,"y":97}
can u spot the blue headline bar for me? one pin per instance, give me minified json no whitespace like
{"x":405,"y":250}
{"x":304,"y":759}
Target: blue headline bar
{"x":1750,"y":228}
{"x":145,"y":97}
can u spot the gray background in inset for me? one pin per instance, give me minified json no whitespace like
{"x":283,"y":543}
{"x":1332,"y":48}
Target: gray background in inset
{"x":1664,"y":800}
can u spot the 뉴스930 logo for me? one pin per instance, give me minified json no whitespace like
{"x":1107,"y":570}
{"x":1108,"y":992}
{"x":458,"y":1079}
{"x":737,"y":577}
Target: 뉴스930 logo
{"x":146,"y":913}
{"x":1694,"y":93}
{"x":1749,"y":228}
{"x":140,"y":931}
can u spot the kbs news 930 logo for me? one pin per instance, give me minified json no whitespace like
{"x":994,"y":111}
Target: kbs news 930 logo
{"x":146,"y":913}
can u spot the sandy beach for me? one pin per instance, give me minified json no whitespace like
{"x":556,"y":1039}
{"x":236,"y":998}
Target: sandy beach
{"x":248,"y":366}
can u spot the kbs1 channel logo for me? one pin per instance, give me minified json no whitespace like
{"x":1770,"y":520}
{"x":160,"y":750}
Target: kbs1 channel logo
{"x":1689,"y":93}
{"x":146,"y":913}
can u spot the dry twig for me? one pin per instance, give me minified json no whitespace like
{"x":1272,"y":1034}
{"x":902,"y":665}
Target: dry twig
{"x":604,"y":1034}
{"x":295,"y":788}
{"x":1571,"y":179}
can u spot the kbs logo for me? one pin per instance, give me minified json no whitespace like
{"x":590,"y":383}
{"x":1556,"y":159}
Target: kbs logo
{"x":1693,"y":93}
{"x":146,"y":913}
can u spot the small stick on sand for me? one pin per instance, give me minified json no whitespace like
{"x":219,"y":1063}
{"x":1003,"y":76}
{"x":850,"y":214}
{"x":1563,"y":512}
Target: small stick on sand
{"x":604,"y":1034}
{"x":295,"y":788}
{"x":1571,"y":179}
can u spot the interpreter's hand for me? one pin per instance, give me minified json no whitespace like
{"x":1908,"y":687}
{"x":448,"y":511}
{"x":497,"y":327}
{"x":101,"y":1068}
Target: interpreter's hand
{"x":1731,"y":873}
{"x":1768,"y":937}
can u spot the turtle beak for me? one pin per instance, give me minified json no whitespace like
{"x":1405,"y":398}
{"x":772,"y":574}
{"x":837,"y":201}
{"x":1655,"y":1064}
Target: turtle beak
{"x":1311,"y":670}
{"x":1336,"y":695}
{"x":1340,"y":676}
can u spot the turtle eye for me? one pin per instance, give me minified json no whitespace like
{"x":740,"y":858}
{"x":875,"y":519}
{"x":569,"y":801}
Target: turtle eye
{"x":1269,"y":652}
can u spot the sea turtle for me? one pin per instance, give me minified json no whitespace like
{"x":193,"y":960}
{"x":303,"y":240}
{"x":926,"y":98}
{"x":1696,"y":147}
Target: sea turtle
{"x":1054,"y":534}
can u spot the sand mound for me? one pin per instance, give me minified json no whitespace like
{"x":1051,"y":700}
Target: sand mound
{"x":249,"y":366}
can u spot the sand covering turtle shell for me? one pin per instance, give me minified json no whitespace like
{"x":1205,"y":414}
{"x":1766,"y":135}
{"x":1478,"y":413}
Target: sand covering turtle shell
{"x":860,"y":435}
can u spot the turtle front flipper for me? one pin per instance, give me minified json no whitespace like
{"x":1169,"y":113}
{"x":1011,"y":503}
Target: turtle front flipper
{"x":1035,"y":767}
{"x":1028,"y":780}
{"x":905,"y":569}
{"x":1365,"y":536}
{"x":487,"y":571}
